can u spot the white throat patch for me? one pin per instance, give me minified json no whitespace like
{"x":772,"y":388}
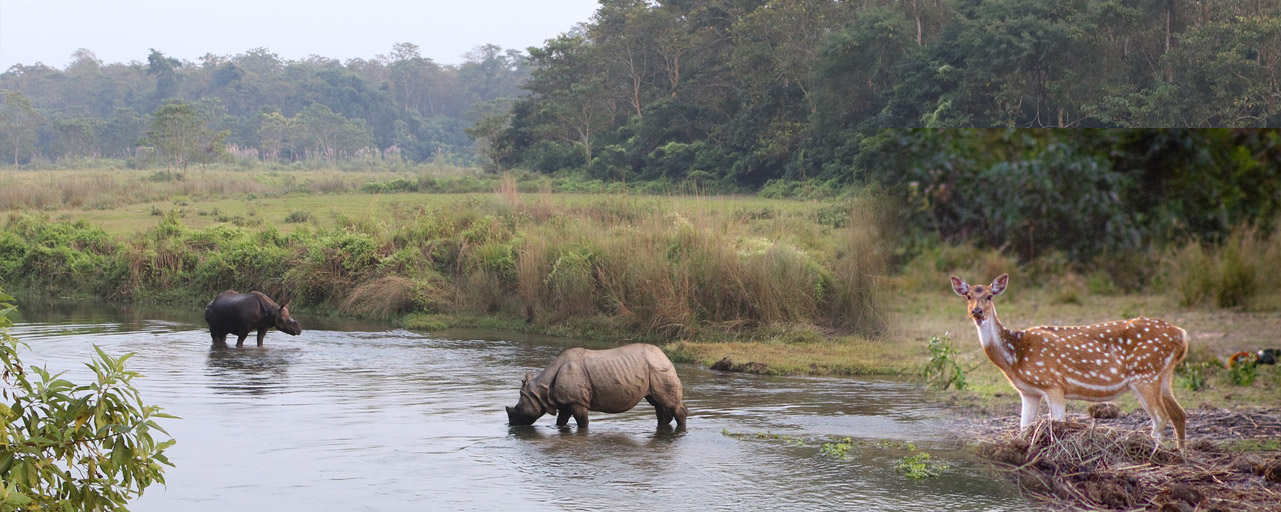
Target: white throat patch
{"x":990,"y":336}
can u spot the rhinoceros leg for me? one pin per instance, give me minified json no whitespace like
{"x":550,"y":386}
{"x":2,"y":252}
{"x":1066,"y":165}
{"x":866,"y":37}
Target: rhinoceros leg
{"x":664,"y":413}
{"x":240,"y":340}
{"x":562,"y":418}
{"x":580,"y":415}
{"x":261,"y":333}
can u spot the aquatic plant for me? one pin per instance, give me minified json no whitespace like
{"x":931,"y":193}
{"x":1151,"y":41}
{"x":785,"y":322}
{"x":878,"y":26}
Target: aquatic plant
{"x":839,"y":449}
{"x":920,"y":466}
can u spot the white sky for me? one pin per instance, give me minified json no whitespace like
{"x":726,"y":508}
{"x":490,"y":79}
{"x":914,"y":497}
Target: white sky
{"x":49,"y":31}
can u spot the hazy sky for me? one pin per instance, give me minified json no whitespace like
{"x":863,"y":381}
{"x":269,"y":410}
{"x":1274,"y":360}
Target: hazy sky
{"x":49,"y":31}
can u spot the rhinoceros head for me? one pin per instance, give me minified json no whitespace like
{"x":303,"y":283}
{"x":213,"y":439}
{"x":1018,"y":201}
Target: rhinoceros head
{"x":286,"y":323}
{"x":533,"y":404}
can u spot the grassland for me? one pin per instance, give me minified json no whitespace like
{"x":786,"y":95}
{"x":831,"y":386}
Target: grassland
{"x":779,"y":286}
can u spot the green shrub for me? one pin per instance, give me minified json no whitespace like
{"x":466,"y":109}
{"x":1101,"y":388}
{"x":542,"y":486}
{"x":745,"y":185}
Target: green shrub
{"x":298,"y":216}
{"x":1193,"y":376}
{"x":74,"y":446}
{"x":944,"y":370}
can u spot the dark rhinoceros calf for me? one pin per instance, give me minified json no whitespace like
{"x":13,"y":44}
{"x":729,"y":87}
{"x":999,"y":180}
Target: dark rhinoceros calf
{"x":613,"y":381}
{"x":239,"y":313}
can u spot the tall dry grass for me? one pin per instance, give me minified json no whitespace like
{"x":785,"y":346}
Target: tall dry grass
{"x":1240,"y":271}
{"x":627,"y":266}
{"x":97,"y":189}
{"x":673,"y":273}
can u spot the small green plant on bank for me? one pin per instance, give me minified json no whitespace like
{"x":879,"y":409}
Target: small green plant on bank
{"x":944,"y":370}
{"x":1192,"y":376}
{"x":1243,"y":373}
{"x":69,"y":446}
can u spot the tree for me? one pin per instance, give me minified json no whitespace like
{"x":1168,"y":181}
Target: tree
{"x":569,"y":91}
{"x":181,"y":135}
{"x":273,"y":133}
{"x":165,"y":69}
{"x":120,"y":134}
{"x":75,"y":139}
{"x":19,"y":122}
{"x":326,"y":134}
{"x":74,"y":447}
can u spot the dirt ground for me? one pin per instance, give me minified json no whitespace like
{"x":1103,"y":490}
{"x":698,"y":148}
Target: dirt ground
{"x":1232,"y":460}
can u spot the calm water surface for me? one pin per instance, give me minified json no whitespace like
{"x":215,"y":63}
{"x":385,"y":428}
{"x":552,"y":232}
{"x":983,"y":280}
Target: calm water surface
{"x":361,"y":417}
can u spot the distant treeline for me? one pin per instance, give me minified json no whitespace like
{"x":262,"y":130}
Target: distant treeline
{"x":256,"y":106}
{"x":753,"y":90}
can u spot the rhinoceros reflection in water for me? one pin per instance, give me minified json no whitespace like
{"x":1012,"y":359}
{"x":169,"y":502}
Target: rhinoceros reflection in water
{"x":239,"y":313}
{"x":614,"y":380}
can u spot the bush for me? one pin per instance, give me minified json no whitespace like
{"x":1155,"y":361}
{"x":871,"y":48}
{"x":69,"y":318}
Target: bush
{"x":944,"y":369}
{"x":1227,"y":275}
{"x":75,"y":447}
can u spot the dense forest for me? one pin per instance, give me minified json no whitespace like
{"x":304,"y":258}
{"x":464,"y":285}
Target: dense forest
{"x":254,"y":107}
{"x":753,"y":90}
{"x":731,"y":92}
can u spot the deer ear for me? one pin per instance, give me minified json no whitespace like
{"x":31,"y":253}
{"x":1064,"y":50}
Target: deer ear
{"x":959,"y":286}
{"x":998,"y":284}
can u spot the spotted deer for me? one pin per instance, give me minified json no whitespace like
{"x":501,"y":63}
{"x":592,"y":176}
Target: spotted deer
{"x":1096,"y":362}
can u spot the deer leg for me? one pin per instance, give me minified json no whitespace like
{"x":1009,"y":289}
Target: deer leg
{"x":1057,"y":403}
{"x":1177,"y":417}
{"x":1031,"y":406}
{"x":1150,"y":397}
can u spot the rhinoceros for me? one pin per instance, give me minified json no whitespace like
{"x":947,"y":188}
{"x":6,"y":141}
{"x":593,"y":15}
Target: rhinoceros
{"x":613,"y":381}
{"x":239,"y":313}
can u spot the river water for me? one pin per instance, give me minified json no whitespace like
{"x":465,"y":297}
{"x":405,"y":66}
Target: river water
{"x":352,"y":416}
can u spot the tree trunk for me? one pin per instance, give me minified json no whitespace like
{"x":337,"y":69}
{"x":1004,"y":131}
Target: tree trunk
{"x":917,"y":14}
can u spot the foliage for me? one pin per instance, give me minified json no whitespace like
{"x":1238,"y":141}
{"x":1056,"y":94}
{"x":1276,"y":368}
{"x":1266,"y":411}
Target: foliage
{"x":1243,"y":371}
{"x":1192,"y":376}
{"x":403,"y":104}
{"x":619,"y":263}
{"x":179,"y":131}
{"x":839,"y":449}
{"x":919,"y":466}
{"x":19,"y":122}
{"x":75,"y":447}
{"x":944,"y":369}
{"x":1229,"y":274}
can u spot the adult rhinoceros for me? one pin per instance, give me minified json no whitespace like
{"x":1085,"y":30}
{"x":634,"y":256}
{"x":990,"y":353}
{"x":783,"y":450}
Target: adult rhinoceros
{"x":239,"y":313}
{"x":614,"y":380}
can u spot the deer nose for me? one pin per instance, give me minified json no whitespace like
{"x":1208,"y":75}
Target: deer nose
{"x":977,"y":312}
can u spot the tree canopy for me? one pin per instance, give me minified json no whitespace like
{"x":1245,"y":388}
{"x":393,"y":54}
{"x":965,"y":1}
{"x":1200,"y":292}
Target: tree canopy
{"x":402,"y":102}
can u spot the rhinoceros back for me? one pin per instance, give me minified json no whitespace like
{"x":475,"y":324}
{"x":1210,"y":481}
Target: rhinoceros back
{"x":619,"y":378}
{"x":234,"y":313}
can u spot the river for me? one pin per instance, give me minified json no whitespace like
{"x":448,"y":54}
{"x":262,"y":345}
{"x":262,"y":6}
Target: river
{"x":359,"y":416}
